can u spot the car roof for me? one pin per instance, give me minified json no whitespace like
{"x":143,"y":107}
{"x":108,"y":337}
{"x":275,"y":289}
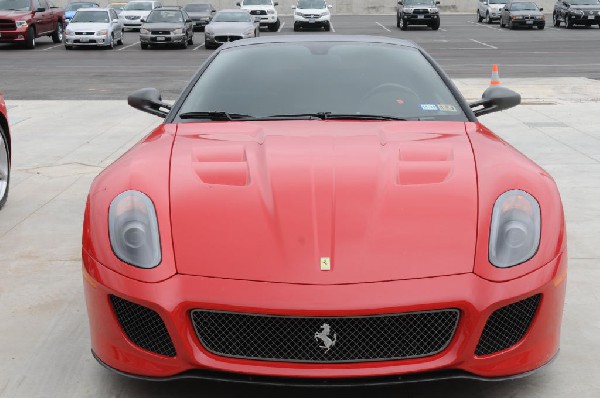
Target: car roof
{"x":168,"y":8}
{"x":323,"y":39}
{"x":92,"y":9}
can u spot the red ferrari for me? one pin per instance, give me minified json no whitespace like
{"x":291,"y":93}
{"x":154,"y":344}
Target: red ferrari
{"x":5,"y":151}
{"x":324,"y":210}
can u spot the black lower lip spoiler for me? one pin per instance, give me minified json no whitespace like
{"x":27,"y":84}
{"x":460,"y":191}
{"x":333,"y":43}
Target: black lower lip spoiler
{"x":316,"y":382}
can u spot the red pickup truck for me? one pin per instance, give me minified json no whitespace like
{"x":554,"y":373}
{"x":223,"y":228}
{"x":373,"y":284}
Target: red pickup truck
{"x":21,"y":21}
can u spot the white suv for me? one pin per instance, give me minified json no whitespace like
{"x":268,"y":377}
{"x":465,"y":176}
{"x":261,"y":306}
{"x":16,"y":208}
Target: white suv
{"x":265,"y":10}
{"x":490,"y":10}
{"x":311,"y":13}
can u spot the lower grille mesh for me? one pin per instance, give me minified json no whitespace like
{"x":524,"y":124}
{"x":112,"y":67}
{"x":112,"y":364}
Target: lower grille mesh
{"x":325,"y":339}
{"x":507,"y":326}
{"x":143,"y":326}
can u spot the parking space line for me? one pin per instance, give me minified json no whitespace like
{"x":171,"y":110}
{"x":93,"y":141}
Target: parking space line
{"x":486,"y":26}
{"x":443,"y":30}
{"x":131,"y":45}
{"x":383,"y":26}
{"x":201,"y":45}
{"x":484,"y":44}
{"x":50,"y":48}
{"x":281,"y":27}
{"x":331,"y":26}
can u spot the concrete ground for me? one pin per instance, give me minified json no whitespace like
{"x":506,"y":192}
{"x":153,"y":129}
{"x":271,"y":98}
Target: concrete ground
{"x":59,"y":146}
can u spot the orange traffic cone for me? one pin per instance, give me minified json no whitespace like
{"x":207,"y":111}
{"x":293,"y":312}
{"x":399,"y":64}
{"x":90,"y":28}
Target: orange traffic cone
{"x":495,"y":76}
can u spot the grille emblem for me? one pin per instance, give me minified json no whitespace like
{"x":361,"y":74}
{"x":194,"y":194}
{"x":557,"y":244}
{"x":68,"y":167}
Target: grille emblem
{"x":323,"y":335}
{"x":325,"y":264}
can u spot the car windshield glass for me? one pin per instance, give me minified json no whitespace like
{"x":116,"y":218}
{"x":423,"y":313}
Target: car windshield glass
{"x":90,"y":16}
{"x":342,"y":78}
{"x":232,"y":17}
{"x":257,"y":3}
{"x":14,"y":5}
{"x":197,"y":7}
{"x":419,"y":2}
{"x":312,"y":4}
{"x":523,"y":7}
{"x":77,"y":6}
{"x":165,"y":16}
{"x":585,"y":2}
{"x":145,"y":6}
{"x":497,"y":2}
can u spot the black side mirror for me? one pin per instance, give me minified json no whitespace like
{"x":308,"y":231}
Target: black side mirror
{"x":238,"y":4}
{"x":494,"y":99}
{"x":541,"y":8}
{"x":148,"y":100}
{"x":40,"y":9}
{"x":143,"y":20}
{"x":437,"y":2}
{"x":276,"y":4}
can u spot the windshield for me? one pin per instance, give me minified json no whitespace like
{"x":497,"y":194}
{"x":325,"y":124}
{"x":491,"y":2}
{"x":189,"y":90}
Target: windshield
{"x":90,"y":16}
{"x":257,"y":3}
{"x":523,"y":7}
{"x":429,"y":3}
{"x":165,"y":16}
{"x":313,"y":77}
{"x":584,"y":2}
{"x":312,"y":4}
{"x":77,"y":6}
{"x":142,"y":6}
{"x":197,"y":7}
{"x":21,"y":5}
{"x":232,"y":17}
{"x":497,"y":2}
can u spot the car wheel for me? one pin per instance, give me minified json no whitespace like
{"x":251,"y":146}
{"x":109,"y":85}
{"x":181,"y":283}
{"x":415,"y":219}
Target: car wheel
{"x":121,"y":40}
{"x":327,"y":27}
{"x":274,"y":27}
{"x":144,"y":46}
{"x":4,"y":167}
{"x":296,"y":26}
{"x":184,"y":44}
{"x":111,"y":42}
{"x":30,"y":40}
{"x":207,"y":45}
{"x":568,"y":22}
{"x":68,"y":47}
{"x":57,"y":35}
{"x":403,"y":24}
{"x":479,"y":18}
{"x":541,"y":27}
{"x":191,"y":39}
{"x":488,"y":20}
{"x":555,"y":20}
{"x":510,"y":25}
{"x":435,"y":25}
{"x":397,"y":21}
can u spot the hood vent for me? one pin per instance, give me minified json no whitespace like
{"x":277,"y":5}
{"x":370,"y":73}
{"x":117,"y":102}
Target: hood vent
{"x":424,"y":164}
{"x":221,"y":165}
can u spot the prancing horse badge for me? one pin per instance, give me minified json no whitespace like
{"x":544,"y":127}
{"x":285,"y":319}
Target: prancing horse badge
{"x":325,"y":264}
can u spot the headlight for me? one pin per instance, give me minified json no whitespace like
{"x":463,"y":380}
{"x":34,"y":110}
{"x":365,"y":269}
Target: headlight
{"x":516,"y":17}
{"x":133,"y":230}
{"x":178,"y":31}
{"x":578,"y":12}
{"x":270,"y":11}
{"x":298,"y":13}
{"x":69,"y":32}
{"x":102,"y":32}
{"x":433,"y":10}
{"x":144,"y":31}
{"x":21,"y":24}
{"x":324,"y":14}
{"x":515,"y":229}
{"x":408,"y":10}
{"x":539,"y":17}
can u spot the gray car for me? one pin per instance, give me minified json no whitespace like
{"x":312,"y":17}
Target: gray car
{"x":96,"y":27}
{"x":231,"y":25}
{"x":201,"y":13}
{"x":167,"y":26}
{"x":522,"y":14}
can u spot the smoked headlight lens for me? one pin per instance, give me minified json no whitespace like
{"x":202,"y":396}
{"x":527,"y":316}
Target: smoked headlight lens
{"x":515,"y":229}
{"x":133,"y":230}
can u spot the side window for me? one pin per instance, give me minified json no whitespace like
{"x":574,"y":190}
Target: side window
{"x":113,"y":14}
{"x":36,"y":4}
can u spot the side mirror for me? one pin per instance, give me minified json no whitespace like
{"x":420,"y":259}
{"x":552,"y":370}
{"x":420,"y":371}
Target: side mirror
{"x":494,"y":99}
{"x":400,"y":2}
{"x":148,"y":100}
{"x":329,"y":6}
{"x":541,"y":9}
{"x":437,"y":2}
{"x":293,"y":7}
{"x":40,"y":9}
{"x":143,"y":20}
{"x":238,"y":4}
{"x":276,"y":4}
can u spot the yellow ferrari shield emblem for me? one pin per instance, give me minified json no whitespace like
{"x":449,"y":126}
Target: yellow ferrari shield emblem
{"x":325,"y":264}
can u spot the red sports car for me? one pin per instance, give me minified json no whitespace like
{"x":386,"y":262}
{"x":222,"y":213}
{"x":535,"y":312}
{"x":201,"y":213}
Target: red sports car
{"x":324,"y":210}
{"x":5,"y":151}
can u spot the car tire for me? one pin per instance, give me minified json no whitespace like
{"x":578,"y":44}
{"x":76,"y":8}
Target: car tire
{"x":68,"y":47}
{"x":568,"y":22}
{"x":191,"y":39}
{"x":479,"y":17}
{"x":30,"y":40}
{"x":541,"y":27}
{"x":555,"y":20}
{"x":208,"y":45}
{"x":327,"y":27}
{"x":297,"y":26}
{"x":4,"y":167}
{"x":184,"y":44}
{"x":144,"y":46}
{"x":488,"y":20}
{"x":510,"y":25}
{"x":403,"y":24}
{"x":435,"y":25}
{"x":111,"y":42}
{"x":398,"y":20}
{"x":274,"y":27}
{"x":57,"y":35}
{"x":121,"y":42}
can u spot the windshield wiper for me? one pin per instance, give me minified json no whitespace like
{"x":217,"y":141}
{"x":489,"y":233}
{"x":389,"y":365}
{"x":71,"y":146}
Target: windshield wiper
{"x":329,"y":115}
{"x":214,"y":115}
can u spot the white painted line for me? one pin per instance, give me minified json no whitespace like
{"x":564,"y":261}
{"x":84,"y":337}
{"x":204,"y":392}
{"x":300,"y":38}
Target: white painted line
{"x":331,"y":26}
{"x":131,"y":45}
{"x":383,"y":26}
{"x":483,"y":44}
{"x":201,"y":45}
{"x":443,"y":30}
{"x":281,"y":27}
{"x":50,"y":48}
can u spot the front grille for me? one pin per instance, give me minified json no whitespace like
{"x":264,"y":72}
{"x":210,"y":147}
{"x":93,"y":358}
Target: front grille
{"x":258,"y":12}
{"x":84,"y":33}
{"x":161,"y":32}
{"x":421,"y":11}
{"x":7,"y":24}
{"x":132,"y":17}
{"x":507,"y":326}
{"x":225,"y":39}
{"x":325,"y":339}
{"x":143,"y":326}
{"x":315,"y":16}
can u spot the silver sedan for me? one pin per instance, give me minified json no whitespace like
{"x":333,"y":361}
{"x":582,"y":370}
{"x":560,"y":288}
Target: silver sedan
{"x":94,"y":27}
{"x":230,"y":25}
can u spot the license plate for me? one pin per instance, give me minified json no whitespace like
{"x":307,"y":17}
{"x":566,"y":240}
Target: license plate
{"x":85,"y":40}
{"x":590,"y":17}
{"x":160,"y":38}
{"x":420,"y":16}
{"x":529,"y":22}
{"x":311,"y":20}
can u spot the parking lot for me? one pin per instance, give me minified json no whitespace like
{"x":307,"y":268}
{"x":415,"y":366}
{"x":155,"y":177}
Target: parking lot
{"x":69,"y":120}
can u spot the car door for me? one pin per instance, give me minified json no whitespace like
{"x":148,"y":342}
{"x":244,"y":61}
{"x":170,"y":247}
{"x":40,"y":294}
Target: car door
{"x":43,"y":19}
{"x":562,"y":9}
{"x":482,"y":7}
{"x":115,"y":24}
{"x":188,"y":24}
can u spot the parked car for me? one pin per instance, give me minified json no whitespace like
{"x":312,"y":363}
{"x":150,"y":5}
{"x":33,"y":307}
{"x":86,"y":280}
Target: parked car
{"x":489,"y":10}
{"x":417,"y":12}
{"x":118,"y":7}
{"x":167,"y":26}
{"x":312,"y":14}
{"x":265,"y":9}
{"x":516,"y":14}
{"x":99,"y":27}
{"x":230,"y":25}
{"x":323,"y":210}
{"x":5,"y":153}
{"x":135,"y":11}
{"x":201,"y":13}
{"x":22,"y":21}
{"x":72,"y":8}
{"x":576,"y":12}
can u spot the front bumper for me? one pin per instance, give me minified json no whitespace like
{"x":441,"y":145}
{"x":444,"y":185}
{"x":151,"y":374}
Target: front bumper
{"x":421,"y":19}
{"x":16,"y":35}
{"x":324,"y":20}
{"x":268,"y":19}
{"x":528,"y":23}
{"x":585,"y":19}
{"x":85,"y":40}
{"x":132,"y":23}
{"x":163,"y":39}
{"x":476,"y":298}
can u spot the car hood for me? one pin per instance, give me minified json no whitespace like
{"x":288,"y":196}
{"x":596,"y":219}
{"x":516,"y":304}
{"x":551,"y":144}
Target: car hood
{"x":15,"y":15}
{"x":199,"y":14}
{"x":311,"y":10}
{"x":526,"y":12}
{"x":258,"y":7}
{"x":140,"y":13}
{"x":163,"y":26}
{"x":271,"y":201}
{"x":87,"y":26}
{"x":590,"y":7}
{"x":223,"y":28}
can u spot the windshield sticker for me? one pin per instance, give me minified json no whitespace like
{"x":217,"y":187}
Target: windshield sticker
{"x":447,"y":108}
{"x":429,"y":107}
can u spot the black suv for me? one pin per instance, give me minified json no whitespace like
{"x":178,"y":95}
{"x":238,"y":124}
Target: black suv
{"x":417,"y":12}
{"x":576,"y":12}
